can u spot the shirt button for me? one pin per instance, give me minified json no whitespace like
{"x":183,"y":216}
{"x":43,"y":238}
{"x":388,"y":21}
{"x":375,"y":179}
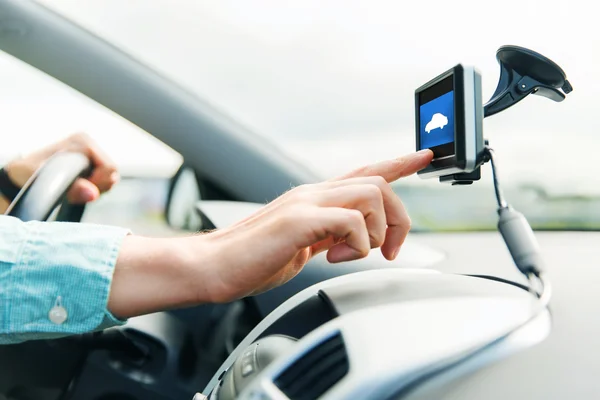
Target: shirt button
{"x":58,"y":314}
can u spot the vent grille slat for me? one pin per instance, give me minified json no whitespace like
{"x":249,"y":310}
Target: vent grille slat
{"x":313,"y":377}
{"x":316,"y":371}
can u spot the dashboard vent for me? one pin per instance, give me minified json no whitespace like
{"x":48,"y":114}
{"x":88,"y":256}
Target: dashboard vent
{"x":316,"y":371}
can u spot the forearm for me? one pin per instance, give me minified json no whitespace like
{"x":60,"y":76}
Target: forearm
{"x":98,"y":276}
{"x":153,"y":274}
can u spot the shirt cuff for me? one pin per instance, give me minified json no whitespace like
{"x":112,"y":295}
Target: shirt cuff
{"x":58,"y":266}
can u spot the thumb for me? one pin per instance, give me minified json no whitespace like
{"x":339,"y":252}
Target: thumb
{"x":83,"y":191}
{"x":392,"y":170}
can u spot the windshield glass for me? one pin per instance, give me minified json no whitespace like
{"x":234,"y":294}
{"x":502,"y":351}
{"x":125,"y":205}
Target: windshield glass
{"x":332,"y":84}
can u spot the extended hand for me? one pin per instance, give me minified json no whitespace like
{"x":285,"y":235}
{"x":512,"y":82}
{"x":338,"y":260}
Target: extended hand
{"x":347,"y":217}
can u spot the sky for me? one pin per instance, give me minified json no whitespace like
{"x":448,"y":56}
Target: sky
{"x":331,"y":82}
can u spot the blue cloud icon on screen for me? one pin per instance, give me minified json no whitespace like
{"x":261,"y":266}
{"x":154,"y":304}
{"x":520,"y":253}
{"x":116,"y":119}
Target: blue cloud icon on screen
{"x":438,"y":120}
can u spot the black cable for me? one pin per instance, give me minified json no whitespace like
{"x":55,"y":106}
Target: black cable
{"x":546,"y":291}
{"x":489,"y":152}
{"x":502,"y":280}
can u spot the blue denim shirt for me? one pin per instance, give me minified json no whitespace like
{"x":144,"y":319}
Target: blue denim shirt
{"x":49,"y":266}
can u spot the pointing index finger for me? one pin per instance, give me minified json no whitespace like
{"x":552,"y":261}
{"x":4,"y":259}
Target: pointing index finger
{"x":392,"y":170}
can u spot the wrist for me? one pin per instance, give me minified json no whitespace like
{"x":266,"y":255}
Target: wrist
{"x":208,"y":259}
{"x":200,"y":263}
{"x":4,"y":203}
{"x":9,"y":187}
{"x":19,"y":171}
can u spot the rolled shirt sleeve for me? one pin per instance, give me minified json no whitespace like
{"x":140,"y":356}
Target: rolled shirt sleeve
{"x":55,"y":278}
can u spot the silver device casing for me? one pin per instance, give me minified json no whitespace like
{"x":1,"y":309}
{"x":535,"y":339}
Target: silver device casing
{"x":473,"y":122}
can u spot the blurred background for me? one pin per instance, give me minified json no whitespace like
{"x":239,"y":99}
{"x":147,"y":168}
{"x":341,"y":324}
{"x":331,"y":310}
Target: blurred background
{"x":332,"y":85}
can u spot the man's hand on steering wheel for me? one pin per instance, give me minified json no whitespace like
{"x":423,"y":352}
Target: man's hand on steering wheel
{"x":104,"y":174}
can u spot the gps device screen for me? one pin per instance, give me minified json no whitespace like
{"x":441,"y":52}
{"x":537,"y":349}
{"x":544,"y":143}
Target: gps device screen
{"x":436,"y":118}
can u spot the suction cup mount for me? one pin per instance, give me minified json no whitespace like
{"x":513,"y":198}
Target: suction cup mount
{"x":522,"y":72}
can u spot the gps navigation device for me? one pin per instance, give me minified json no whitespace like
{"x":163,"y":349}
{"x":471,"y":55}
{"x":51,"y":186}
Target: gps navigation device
{"x":449,"y":121}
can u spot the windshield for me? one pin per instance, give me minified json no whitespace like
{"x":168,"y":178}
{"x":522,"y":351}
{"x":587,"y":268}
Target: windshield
{"x":332,"y":83}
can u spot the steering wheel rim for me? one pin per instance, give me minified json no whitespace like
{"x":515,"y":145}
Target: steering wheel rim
{"x":47,"y":189}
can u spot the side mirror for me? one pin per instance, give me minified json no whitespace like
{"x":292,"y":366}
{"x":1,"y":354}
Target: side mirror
{"x":184,"y":194}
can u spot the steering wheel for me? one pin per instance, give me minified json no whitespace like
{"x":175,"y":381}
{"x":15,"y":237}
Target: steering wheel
{"x":47,"y":188}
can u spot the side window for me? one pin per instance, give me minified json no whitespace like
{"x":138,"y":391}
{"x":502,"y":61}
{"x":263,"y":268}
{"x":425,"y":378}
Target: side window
{"x":37,"y":110}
